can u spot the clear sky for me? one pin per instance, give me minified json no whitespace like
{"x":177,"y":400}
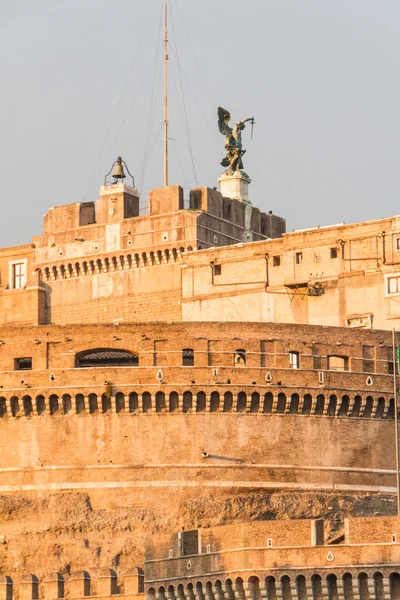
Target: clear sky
{"x":82,"y":82}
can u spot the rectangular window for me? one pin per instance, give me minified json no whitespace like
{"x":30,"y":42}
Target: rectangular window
{"x":187,"y":357}
{"x":18,"y":275}
{"x":208,"y":548}
{"x":170,"y":554}
{"x":393,"y":284}
{"x":321,"y":377}
{"x":333,"y":252}
{"x":338,"y":363}
{"x":393,"y":537}
{"x":299,"y":258}
{"x":368,"y":359}
{"x":390,"y":367}
{"x":189,"y":542}
{"x":294,"y":360}
{"x":22,"y":364}
{"x":217,"y":269}
{"x":317,"y":362}
{"x":269,"y":543}
{"x":276,"y":261}
{"x":398,"y":244}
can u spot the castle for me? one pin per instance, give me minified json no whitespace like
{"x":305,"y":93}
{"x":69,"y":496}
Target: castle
{"x":191,"y":368}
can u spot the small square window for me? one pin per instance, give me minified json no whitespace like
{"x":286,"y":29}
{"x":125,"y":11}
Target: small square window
{"x":217,"y":269}
{"x":333,"y":252}
{"x":22,"y":364}
{"x":276,"y":261}
{"x":299,"y":258}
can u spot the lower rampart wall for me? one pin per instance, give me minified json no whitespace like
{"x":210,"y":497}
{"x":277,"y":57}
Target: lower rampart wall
{"x":165,"y":452}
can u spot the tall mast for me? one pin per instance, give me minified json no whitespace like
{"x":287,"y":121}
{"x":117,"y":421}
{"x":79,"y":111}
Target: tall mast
{"x":165,"y":94}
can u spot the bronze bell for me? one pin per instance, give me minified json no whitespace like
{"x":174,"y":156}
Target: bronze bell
{"x":119,"y":169}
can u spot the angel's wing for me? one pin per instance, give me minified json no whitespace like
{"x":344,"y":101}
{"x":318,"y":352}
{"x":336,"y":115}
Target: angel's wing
{"x":223,"y":119}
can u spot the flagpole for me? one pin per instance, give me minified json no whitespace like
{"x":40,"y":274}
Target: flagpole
{"x":395,"y":363}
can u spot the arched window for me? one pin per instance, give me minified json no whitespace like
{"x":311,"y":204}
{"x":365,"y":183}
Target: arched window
{"x":133,"y":402}
{"x":201,"y":402}
{"x":332,"y":587}
{"x":187,"y":401}
{"x":294,"y":404}
{"x":79,"y":404}
{"x":119,"y":402}
{"x":53,"y":402}
{"x":28,"y":408}
{"x":255,"y":402}
{"x":40,"y":405}
{"x":173,"y":402}
{"x":348,"y":586}
{"x":214,"y":402}
{"x":106,"y":357}
{"x":146,"y":402}
{"x":105,"y":403}
{"x":228,"y":402}
{"x":3,"y":407}
{"x":240,"y":358}
{"x":93,"y":404}
{"x":67,"y":404}
{"x":281,"y":404}
{"x":241,"y":402}
{"x":268,"y":402}
{"x":160,"y":402}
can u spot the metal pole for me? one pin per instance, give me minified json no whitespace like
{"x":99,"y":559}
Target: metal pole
{"x":396,"y":421}
{"x":165,"y":94}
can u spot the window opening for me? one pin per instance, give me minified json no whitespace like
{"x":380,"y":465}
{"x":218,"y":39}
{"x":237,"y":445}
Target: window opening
{"x":22,"y":364}
{"x":338,"y":363}
{"x":18,"y":275}
{"x":187,"y":357}
{"x":276,"y":261}
{"x":393,"y":285}
{"x":333,"y":252}
{"x":397,"y":244}
{"x":217,"y":269}
{"x":299,"y":258}
{"x":240,"y":358}
{"x":294,"y":360}
{"x":106,"y":357}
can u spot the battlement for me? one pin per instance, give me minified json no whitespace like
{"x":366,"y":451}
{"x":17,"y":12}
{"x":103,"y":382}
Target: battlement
{"x":75,"y":584}
{"x":277,"y":560}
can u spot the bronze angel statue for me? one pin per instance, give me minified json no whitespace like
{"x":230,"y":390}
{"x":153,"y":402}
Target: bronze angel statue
{"x":233,"y":141}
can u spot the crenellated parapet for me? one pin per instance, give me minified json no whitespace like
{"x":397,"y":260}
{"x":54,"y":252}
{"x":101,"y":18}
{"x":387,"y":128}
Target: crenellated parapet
{"x":285,"y":560}
{"x":75,"y":584}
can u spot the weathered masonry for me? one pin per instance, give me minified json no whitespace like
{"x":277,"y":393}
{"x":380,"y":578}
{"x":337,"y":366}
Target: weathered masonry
{"x":197,"y":260}
{"x":287,"y":559}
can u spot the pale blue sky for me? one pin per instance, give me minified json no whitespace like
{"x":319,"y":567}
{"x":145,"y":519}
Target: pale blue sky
{"x":321,"y":77}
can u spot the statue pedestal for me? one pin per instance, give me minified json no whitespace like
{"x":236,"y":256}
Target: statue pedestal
{"x":235,"y":186}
